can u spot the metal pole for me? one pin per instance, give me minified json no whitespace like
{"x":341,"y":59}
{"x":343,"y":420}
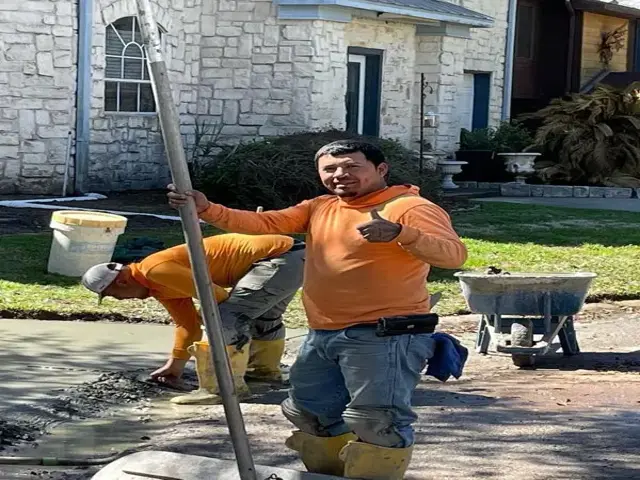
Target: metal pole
{"x":507,"y":88}
{"x":67,"y":161}
{"x":83,"y":98}
{"x":170,"y":125}
{"x":421,"y":122}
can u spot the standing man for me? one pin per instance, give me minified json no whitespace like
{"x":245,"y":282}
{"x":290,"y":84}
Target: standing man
{"x":264,"y":272}
{"x":370,"y":248}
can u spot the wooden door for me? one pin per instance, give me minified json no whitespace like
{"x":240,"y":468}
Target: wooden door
{"x":526,"y":61}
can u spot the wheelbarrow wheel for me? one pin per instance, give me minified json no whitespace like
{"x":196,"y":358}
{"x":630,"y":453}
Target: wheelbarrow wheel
{"x":522,"y":336}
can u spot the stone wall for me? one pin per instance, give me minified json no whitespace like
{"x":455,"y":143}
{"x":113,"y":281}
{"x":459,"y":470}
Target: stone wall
{"x":232,"y":64}
{"x":125,"y":149}
{"x":444,"y":60}
{"x":398,"y":42}
{"x":37,"y":91}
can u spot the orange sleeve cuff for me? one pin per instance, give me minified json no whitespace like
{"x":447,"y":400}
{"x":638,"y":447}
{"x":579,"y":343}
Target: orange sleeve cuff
{"x":180,"y":354}
{"x":212,"y":213}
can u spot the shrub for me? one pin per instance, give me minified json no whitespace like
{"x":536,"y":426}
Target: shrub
{"x":279,"y":172}
{"x":511,"y":137}
{"x":591,"y":139}
{"x":479,"y":139}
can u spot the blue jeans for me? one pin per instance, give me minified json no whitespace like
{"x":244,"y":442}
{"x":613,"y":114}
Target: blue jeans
{"x":354,"y":381}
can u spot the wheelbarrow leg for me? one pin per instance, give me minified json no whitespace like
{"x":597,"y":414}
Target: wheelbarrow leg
{"x":483,"y":337}
{"x":568,"y":338}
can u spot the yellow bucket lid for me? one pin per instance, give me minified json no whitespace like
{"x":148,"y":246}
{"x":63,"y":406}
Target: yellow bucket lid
{"x":89,"y":219}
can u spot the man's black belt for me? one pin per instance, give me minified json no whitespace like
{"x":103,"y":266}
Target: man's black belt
{"x":297,"y":245}
{"x":403,"y":325}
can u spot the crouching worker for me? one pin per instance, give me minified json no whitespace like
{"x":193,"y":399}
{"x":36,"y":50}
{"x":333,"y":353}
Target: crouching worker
{"x":264,"y":273}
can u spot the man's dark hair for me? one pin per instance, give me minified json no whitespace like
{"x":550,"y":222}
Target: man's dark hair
{"x":344,"y":147}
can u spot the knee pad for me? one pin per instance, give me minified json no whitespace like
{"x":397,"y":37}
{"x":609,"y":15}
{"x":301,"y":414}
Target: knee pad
{"x":374,"y":425}
{"x":304,"y":421}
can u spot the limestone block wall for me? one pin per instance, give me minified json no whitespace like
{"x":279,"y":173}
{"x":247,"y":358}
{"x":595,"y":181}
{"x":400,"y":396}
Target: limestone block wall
{"x":232,"y":63}
{"x":125,"y":149}
{"x":37,"y":92}
{"x":444,"y":60}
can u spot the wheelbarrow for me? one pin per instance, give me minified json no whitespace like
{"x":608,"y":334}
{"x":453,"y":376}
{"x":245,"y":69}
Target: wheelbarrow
{"x":522,"y":313}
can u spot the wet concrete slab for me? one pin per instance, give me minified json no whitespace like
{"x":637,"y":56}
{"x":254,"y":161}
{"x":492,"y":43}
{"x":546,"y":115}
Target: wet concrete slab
{"x":41,"y":357}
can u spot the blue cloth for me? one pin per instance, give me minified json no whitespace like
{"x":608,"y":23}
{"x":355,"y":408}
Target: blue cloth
{"x":448,"y":359}
{"x":353,"y":373}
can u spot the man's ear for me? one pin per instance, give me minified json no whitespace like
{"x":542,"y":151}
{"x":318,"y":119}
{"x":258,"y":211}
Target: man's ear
{"x":383,"y":170}
{"x":122,"y":280}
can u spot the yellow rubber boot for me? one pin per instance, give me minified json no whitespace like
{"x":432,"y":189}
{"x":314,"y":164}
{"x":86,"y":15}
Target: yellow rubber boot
{"x":371,"y":462}
{"x":264,"y":360}
{"x":208,"y":391}
{"x":320,"y":454}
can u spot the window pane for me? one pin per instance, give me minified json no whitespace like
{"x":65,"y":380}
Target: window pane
{"x":113,"y":43}
{"x":133,"y":50}
{"x":124,"y":27}
{"x":353,"y":96}
{"x":111,"y":96}
{"x":147,"y":102}
{"x":524,"y":31}
{"x":128,"y":97}
{"x":114,"y":67}
{"x":146,"y":71}
{"x":133,"y":69}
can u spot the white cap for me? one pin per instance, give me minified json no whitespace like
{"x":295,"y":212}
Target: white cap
{"x":99,"y":277}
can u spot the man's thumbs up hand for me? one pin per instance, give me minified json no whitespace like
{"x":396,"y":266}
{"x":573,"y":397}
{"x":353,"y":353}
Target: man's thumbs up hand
{"x":378,"y":229}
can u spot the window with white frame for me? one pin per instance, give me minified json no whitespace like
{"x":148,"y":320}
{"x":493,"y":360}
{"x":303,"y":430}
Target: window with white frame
{"x":127,"y":86}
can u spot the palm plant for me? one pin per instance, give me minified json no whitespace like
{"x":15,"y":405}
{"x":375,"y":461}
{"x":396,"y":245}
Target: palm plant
{"x":591,"y":139}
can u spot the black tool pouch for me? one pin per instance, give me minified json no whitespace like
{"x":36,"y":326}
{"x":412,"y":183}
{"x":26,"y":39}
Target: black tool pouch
{"x":407,"y":325}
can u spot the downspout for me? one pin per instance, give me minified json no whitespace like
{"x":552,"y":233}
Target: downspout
{"x":83,"y":96}
{"x":507,"y":89}
{"x":570,"y":46}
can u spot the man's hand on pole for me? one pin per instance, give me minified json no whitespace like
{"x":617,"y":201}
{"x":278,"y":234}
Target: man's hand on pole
{"x":178,"y":200}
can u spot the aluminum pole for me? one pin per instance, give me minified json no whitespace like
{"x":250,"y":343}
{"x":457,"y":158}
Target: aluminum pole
{"x":170,"y":125}
{"x":510,"y":41}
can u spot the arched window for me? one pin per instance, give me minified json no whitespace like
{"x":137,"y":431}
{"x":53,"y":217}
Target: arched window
{"x":127,"y":84}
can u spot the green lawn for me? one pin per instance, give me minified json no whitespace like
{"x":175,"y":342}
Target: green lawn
{"x":512,"y":237}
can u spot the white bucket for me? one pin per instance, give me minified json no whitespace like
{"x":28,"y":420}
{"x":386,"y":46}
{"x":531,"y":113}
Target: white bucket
{"x":82,"y":239}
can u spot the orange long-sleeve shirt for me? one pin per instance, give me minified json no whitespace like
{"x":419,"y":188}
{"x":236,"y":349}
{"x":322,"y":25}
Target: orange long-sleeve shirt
{"x":167,"y":275}
{"x":348,"y":280}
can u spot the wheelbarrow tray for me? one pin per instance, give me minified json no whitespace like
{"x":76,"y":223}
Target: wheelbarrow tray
{"x":560,"y":294}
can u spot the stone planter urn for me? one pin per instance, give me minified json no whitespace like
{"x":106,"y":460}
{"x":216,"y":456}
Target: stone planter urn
{"x":520,"y":164}
{"x":449,"y":169}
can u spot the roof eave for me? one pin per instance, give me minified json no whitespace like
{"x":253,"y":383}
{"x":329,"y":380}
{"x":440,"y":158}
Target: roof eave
{"x":481,"y":21}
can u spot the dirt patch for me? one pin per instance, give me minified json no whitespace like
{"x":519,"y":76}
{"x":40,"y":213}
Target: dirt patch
{"x":15,"y":221}
{"x":152,"y":201}
{"x":34,"y":220}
